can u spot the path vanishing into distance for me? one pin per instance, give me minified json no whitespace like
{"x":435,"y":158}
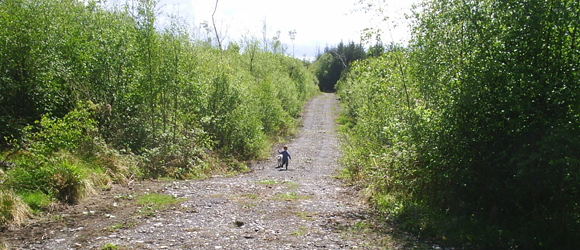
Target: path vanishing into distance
{"x":305,"y":207}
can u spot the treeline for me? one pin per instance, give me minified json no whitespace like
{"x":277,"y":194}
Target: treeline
{"x":92,"y":95}
{"x":470,"y":135}
{"x":334,"y":61}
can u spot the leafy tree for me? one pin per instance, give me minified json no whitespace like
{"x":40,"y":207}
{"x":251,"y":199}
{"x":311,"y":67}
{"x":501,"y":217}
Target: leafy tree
{"x":334,"y":61}
{"x":484,"y":150}
{"x":161,"y":104}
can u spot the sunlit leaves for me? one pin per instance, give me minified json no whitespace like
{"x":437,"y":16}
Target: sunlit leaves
{"x":495,"y":107}
{"x":155,"y":87}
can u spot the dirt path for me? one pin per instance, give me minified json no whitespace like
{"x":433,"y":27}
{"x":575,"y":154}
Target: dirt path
{"x":302,"y":208}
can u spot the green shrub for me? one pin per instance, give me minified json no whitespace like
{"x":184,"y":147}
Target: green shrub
{"x":74,"y":132}
{"x":68,"y":185}
{"x":61,"y":176}
{"x":178,"y":157}
{"x":472,"y":129}
{"x":31,"y":174}
{"x":112,"y":166}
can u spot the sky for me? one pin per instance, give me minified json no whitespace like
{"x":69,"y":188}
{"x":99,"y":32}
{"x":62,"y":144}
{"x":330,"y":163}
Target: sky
{"x":318,"y":23}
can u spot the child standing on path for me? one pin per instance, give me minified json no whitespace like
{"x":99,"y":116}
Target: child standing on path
{"x":285,"y":157}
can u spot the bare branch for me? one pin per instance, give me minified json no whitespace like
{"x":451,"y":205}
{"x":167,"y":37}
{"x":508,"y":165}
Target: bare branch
{"x":217,"y":36}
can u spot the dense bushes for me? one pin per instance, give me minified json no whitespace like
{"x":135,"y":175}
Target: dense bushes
{"x":475,"y":138}
{"x":54,"y":161}
{"x":94,"y":95}
{"x":331,"y":65}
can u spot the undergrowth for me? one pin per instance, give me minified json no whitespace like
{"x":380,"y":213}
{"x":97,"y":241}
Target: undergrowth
{"x":173,"y":108}
{"x":42,"y":171}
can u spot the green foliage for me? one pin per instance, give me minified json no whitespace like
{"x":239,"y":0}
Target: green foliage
{"x":74,"y":133}
{"x":29,"y":175}
{"x":156,"y":202}
{"x":93,"y":95}
{"x":45,"y":164}
{"x":469,"y":136}
{"x":176,"y":158}
{"x":57,"y":161}
{"x":330,"y":66}
{"x":36,"y":200}
{"x":67,"y":182}
{"x":109,"y":246}
{"x":57,"y":177}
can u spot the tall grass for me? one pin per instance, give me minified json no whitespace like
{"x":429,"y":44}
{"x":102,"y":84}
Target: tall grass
{"x":12,"y":209}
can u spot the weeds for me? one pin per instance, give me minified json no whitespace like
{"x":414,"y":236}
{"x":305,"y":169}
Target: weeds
{"x":249,"y":201}
{"x":36,"y":200}
{"x":115,"y":227}
{"x":12,"y":209}
{"x":155,"y":202}
{"x":109,"y":246}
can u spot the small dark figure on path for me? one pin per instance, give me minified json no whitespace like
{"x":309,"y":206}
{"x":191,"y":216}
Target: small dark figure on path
{"x":285,"y":157}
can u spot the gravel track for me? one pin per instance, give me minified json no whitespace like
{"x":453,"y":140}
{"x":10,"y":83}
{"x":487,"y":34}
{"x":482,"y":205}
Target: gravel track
{"x":302,"y":208}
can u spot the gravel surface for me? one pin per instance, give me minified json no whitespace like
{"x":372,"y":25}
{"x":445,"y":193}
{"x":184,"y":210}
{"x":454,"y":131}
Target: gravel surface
{"x":304,"y":207}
